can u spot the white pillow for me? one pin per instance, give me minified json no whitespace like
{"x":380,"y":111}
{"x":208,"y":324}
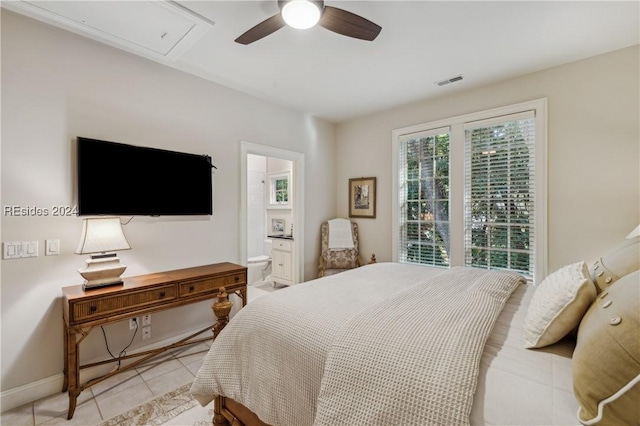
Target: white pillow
{"x":558,"y":305}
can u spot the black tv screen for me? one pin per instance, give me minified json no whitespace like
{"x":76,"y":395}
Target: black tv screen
{"x":120,"y":179}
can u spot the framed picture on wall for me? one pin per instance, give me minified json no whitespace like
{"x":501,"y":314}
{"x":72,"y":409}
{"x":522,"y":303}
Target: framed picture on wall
{"x":277,"y":226}
{"x":362,"y":197}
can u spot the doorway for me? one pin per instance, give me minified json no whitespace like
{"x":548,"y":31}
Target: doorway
{"x":287,"y":210}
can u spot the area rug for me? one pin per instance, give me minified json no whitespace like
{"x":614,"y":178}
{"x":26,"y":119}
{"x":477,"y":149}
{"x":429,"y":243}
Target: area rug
{"x":164,"y":410}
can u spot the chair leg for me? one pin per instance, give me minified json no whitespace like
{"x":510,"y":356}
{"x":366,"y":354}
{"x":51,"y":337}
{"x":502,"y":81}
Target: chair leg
{"x":321,"y":267}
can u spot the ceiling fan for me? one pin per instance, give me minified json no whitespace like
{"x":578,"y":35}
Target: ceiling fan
{"x":303,"y":14}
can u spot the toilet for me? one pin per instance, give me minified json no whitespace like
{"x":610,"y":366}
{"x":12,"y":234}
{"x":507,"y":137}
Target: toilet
{"x":258,"y":266}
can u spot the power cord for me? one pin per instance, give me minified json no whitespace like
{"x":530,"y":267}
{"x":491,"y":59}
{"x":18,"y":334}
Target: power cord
{"x":123,"y":352}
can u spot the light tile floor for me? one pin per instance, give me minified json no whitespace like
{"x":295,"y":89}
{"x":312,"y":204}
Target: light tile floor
{"x":121,"y":392}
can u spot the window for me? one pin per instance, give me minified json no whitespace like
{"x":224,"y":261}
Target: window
{"x":470,"y":190}
{"x":424,"y":198}
{"x":500,"y":193}
{"x":279,"y":191}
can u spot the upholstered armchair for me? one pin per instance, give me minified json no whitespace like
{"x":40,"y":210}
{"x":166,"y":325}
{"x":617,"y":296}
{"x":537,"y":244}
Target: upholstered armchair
{"x":335,"y":260}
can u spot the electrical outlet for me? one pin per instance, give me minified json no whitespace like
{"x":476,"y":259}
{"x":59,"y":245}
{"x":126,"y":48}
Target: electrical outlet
{"x":146,"y":333}
{"x":146,"y":320}
{"x":133,"y":323}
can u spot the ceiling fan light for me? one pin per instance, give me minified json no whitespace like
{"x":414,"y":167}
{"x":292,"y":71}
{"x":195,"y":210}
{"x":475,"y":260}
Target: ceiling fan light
{"x":300,"y":14}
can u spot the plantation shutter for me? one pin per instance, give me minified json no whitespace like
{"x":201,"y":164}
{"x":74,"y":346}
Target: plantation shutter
{"x":423,"y":197}
{"x":500,"y":193}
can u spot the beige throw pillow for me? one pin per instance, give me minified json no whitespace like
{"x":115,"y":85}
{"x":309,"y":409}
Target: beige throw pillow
{"x":619,"y":261}
{"x":558,"y":304}
{"x":606,"y":361}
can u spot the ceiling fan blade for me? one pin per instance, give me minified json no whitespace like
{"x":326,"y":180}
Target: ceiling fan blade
{"x":261,"y":30}
{"x":348,"y":24}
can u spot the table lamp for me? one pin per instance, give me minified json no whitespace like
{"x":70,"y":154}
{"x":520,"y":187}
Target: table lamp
{"x":99,"y":236}
{"x":634,"y":233}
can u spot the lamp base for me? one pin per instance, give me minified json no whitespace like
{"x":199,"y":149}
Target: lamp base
{"x":86,"y":286}
{"x":102,"y":270}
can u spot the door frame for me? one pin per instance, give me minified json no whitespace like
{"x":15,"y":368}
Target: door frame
{"x":297,"y":206}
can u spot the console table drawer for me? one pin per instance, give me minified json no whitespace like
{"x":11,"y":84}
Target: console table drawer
{"x":121,"y":303}
{"x":189,"y":288}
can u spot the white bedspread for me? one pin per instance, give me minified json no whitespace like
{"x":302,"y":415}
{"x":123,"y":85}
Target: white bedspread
{"x":277,"y":351}
{"x":273,"y":365}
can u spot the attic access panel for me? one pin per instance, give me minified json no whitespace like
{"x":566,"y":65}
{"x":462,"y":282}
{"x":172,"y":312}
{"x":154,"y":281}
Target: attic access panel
{"x":157,"y":29}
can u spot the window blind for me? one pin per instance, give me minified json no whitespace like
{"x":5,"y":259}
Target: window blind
{"x":423,"y":197}
{"x":500,"y":193}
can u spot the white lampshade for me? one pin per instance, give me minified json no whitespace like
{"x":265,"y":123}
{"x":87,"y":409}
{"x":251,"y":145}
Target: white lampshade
{"x":634,"y":233}
{"x":301,"y":14}
{"x":101,"y":235}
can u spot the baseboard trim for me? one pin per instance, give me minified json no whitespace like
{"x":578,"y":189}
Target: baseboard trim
{"x":30,"y":392}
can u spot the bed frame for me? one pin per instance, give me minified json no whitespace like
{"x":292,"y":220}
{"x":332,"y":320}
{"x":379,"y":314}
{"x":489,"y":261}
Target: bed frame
{"x":226,"y":411}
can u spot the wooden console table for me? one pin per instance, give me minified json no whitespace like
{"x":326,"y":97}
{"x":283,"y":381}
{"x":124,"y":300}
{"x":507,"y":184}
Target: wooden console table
{"x":141,"y":295}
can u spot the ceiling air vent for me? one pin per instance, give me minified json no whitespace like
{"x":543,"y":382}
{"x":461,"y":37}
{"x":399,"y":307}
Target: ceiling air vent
{"x":449,"y":80}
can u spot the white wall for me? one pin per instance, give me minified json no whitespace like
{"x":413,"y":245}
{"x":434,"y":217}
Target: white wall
{"x":593,"y":152}
{"x":256,"y":207}
{"x":56,"y":86}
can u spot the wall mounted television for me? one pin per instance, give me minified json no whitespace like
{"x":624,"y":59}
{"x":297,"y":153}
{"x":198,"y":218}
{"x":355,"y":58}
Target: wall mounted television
{"x":126,"y":180}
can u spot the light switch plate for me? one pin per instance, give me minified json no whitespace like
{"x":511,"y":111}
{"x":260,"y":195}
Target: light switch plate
{"x":52,"y":247}
{"x":19,"y":249}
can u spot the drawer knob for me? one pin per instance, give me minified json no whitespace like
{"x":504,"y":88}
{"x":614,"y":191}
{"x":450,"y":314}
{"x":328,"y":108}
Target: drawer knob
{"x":162,"y":294}
{"x":93,"y":309}
{"x":236,"y":278}
{"x":191,"y":288}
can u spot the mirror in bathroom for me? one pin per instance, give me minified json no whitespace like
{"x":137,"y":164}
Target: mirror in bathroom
{"x":279,"y":196}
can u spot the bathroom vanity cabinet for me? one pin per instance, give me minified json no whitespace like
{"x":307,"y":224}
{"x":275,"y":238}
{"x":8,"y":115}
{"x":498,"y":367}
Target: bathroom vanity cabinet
{"x":282,"y":260}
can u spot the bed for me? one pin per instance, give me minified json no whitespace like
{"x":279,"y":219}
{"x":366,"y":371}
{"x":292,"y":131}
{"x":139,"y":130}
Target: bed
{"x":389,"y":344}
